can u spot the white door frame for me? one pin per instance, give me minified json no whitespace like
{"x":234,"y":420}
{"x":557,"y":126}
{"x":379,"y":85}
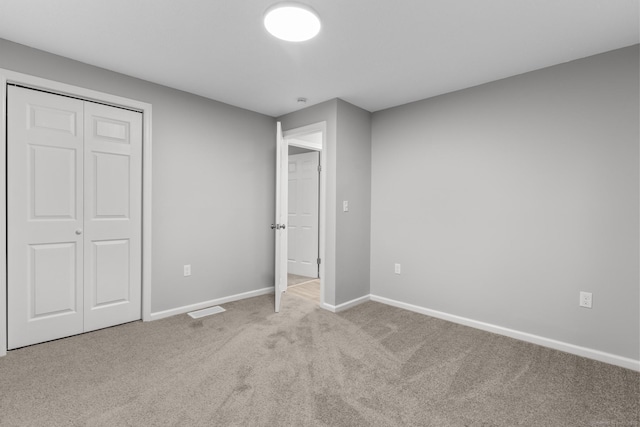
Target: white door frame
{"x":8,"y":76}
{"x":298,"y":132}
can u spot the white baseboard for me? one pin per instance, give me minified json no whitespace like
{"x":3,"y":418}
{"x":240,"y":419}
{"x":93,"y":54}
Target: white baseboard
{"x":205,"y":304}
{"x":523,"y":336}
{"x":345,"y":305}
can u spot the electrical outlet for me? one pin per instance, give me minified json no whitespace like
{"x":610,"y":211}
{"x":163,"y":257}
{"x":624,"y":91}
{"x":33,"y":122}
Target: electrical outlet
{"x":345,"y":206}
{"x":586,"y":299}
{"x":397,"y":268}
{"x":187,"y":270}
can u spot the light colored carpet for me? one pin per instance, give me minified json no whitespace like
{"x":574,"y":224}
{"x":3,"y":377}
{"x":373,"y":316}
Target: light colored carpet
{"x":309,"y":290}
{"x":372,"y":365}
{"x":294,"y":279}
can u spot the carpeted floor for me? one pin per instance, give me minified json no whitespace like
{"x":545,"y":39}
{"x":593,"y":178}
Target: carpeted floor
{"x":372,"y":365}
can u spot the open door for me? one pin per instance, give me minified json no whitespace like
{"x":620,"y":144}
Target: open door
{"x":280,"y":225}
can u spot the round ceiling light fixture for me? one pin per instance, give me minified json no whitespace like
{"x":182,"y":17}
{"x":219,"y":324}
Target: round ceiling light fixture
{"x":293,"y":22}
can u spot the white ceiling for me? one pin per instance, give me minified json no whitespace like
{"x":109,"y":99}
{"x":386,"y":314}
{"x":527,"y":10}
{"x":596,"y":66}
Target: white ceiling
{"x":374,"y":54}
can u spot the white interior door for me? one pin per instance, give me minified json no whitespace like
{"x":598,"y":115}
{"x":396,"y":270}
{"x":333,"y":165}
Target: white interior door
{"x":45,"y":217}
{"x":302,"y":226}
{"x":74,"y":213}
{"x":113,"y":216}
{"x":281,"y":216}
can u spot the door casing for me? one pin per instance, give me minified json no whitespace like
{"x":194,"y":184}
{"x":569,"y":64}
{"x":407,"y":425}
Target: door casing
{"x":12,"y":77}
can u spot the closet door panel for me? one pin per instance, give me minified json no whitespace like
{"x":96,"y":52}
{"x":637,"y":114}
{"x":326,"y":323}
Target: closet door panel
{"x":113,"y":216}
{"x":45,"y":216}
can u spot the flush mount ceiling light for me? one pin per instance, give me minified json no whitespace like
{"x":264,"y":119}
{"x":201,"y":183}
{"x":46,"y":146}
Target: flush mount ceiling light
{"x":292,"y":22}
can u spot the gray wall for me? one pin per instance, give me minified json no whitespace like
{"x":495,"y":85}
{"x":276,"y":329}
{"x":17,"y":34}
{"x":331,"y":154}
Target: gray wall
{"x":503,"y":201}
{"x":348,"y":174}
{"x":353,"y":230}
{"x":213,"y":182}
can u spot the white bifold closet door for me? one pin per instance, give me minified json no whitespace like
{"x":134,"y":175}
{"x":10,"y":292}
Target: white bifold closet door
{"x":74,"y":173}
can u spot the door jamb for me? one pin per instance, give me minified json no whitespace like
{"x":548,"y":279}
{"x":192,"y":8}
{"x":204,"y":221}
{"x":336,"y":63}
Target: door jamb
{"x":8,"y":76}
{"x":301,"y":131}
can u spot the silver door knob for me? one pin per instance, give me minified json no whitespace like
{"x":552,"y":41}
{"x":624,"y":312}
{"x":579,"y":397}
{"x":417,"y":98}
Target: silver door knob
{"x":79,"y":231}
{"x":273,"y":226}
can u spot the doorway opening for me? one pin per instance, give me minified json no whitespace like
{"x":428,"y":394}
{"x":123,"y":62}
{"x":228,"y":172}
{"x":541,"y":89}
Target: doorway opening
{"x":303,"y":249}
{"x":305,"y":211}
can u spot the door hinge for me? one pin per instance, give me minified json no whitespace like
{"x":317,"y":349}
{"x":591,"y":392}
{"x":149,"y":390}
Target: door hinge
{"x":319,"y":261}
{"x":319,"y":168}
